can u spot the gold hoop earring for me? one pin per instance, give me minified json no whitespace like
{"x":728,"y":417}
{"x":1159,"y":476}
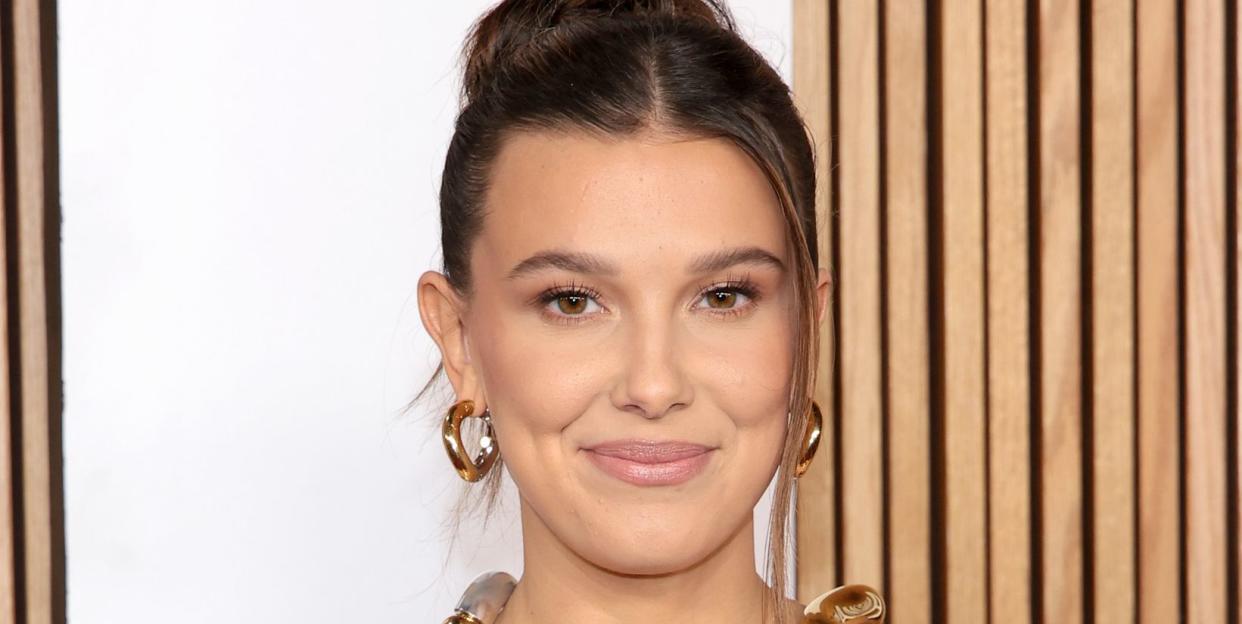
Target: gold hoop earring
{"x":810,"y":442}
{"x":469,"y":469}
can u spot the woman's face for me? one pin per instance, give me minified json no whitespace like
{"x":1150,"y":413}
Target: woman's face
{"x":631,"y":330}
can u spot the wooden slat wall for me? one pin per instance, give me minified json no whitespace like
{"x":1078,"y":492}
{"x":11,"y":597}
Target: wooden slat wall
{"x":32,"y":583}
{"x":1234,"y":186}
{"x":1035,"y":241}
{"x":960,"y":306}
{"x":1058,"y":215}
{"x":817,"y":534}
{"x":861,"y":401}
{"x":8,"y":543}
{"x":1111,"y":206}
{"x":1159,"y":340}
{"x":1008,"y":313}
{"x":907,"y":364}
{"x":1203,"y":189}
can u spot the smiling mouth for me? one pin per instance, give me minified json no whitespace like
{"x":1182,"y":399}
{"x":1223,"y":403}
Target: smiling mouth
{"x":646,"y":463}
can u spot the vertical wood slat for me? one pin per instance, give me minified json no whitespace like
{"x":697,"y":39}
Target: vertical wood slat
{"x":1237,"y":319}
{"x":963,"y":310}
{"x":861,"y":402}
{"x":1060,"y":363}
{"x":8,"y":561}
{"x":1112,"y":322}
{"x":816,"y":531}
{"x":1159,"y":496}
{"x":1204,"y":190}
{"x":1009,"y":345}
{"x":909,"y":465}
{"x":36,"y":283}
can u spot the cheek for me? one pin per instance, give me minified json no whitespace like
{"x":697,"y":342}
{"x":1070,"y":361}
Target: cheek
{"x":534,"y":385}
{"x":749,"y":370}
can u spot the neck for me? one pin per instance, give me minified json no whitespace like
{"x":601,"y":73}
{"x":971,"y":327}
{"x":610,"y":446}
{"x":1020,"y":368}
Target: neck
{"x":559,"y":586}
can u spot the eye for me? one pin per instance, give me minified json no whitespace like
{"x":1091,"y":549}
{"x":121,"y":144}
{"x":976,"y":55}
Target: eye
{"x":569,"y":304}
{"x":734,"y":297}
{"x":573,"y":304}
{"x":721,"y":298}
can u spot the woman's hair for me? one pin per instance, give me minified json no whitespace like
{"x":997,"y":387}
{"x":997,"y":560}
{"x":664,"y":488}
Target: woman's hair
{"x":619,"y":68}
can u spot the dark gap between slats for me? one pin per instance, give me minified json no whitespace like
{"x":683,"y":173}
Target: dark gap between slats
{"x":1034,"y":316}
{"x":1183,"y":568}
{"x":1086,"y":282}
{"x":935,"y":283}
{"x":987,"y":324}
{"x":13,"y":306}
{"x":1136,"y":577}
{"x":885,"y":402}
{"x":1231,"y":307}
{"x":834,"y":210}
{"x":52,"y":287}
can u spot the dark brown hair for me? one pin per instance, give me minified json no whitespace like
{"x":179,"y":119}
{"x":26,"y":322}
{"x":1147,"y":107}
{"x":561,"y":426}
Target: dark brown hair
{"x":618,"y":68}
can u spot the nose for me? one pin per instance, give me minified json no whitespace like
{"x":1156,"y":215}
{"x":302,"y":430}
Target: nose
{"x":653,"y":381}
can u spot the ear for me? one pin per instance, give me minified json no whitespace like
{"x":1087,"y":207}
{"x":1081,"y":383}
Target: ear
{"x":444,"y":317}
{"x":823,"y":285}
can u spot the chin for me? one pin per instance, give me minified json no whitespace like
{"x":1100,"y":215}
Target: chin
{"x":655,"y":560}
{"x":651,"y":544}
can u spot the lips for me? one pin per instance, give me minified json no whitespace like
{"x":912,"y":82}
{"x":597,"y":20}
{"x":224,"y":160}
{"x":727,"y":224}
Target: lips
{"x":650,"y":463}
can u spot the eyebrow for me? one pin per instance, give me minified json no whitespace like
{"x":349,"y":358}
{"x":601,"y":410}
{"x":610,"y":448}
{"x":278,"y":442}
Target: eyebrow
{"x":578,"y":262}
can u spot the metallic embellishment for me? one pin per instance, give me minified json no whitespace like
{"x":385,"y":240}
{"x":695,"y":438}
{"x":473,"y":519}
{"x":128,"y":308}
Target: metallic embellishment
{"x":810,"y":442}
{"x":846,"y":605}
{"x":484,"y":599}
{"x":469,"y":469}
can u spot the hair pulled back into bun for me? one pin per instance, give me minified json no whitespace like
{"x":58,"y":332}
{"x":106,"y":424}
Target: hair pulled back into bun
{"x":501,"y":35}
{"x":620,"y":67}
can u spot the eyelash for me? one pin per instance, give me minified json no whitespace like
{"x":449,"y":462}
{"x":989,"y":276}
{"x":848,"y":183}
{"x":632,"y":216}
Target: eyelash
{"x":743,"y":286}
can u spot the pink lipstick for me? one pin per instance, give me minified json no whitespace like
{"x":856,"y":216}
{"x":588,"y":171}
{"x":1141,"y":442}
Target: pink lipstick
{"x":645,"y":462}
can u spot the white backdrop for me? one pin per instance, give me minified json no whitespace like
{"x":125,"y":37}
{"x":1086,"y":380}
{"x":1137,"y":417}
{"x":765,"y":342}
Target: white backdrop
{"x":249,"y":195}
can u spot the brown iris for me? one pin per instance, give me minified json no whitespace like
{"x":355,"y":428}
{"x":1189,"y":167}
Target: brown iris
{"x":722,"y":299}
{"x":571,"y":304}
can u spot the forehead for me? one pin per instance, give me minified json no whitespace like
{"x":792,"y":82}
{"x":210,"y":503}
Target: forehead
{"x":638,"y":199}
